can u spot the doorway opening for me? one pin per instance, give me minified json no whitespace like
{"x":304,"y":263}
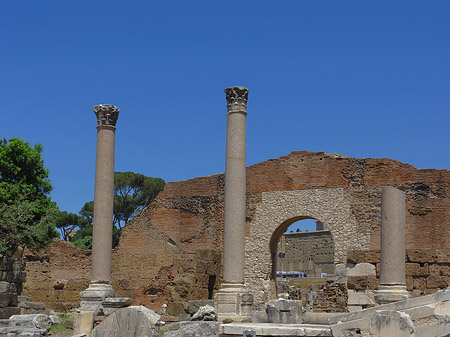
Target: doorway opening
{"x":302,"y":252}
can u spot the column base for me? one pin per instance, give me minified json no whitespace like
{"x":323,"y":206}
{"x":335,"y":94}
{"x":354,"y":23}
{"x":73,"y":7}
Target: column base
{"x":391,"y":293}
{"x":233,"y":303}
{"x":94,"y":295}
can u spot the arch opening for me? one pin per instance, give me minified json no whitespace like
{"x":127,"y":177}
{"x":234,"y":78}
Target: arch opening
{"x":302,"y":254}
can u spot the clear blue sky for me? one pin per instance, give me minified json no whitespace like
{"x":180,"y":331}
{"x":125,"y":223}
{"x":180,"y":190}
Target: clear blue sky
{"x":360,"y":78}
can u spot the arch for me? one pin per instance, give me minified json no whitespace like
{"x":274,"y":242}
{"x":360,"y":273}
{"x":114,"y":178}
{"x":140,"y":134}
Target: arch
{"x":276,"y":236}
{"x":276,"y":211}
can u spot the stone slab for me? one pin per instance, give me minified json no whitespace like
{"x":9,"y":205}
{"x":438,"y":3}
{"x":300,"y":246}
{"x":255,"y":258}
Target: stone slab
{"x":361,"y":269}
{"x":397,"y":306}
{"x":360,"y":298}
{"x":203,"y":329}
{"x":84,"y":321}
{"x":270,"y":329}
{"x":135,"y":321}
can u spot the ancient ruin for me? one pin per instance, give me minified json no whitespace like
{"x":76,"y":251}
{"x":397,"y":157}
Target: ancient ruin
{"x":172,"y":253}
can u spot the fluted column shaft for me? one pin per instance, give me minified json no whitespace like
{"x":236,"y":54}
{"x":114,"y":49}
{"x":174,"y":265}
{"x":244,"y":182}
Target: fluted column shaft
{"x":104,"y":194}
{"x":235,"y":186}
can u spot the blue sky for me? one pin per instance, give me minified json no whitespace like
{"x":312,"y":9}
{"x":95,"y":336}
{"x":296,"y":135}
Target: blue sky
{"x":360,"y":78}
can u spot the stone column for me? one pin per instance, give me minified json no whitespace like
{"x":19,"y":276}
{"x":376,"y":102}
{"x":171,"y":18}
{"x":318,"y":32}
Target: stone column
{"x":232,"y":302}
{"x":100,"y":285}
{"x":392,"y":286}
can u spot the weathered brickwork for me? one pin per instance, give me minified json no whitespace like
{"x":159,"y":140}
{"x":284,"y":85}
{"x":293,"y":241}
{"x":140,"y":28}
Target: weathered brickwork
{"x":331,"y":298}
{"x":427,"y":270}
{"x":57,"y":274}
{"x":160,"y":257}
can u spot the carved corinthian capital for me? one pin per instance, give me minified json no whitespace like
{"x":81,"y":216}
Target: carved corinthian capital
{"x":107,"y":114}
{"x":236,"y":99}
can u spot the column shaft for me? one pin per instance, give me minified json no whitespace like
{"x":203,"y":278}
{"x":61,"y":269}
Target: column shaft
{"x":393,"y":250}
{"x":392,"y":286}
{"x":232,"y":301}
{"x":103,"y":206}
{"x":235,"y":200}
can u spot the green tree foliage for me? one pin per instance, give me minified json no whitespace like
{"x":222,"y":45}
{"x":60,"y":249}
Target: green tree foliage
{"x":68,"y":222}
{"x":26,"y":210}
{"x":87,"y":211}
{"x":133,"y":192}
{"x":83,"y":237}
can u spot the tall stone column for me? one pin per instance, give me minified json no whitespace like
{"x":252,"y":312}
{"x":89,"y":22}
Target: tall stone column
{"x":392,"y":286}
{"x":100,"y":285}
{"x":232,"y":302}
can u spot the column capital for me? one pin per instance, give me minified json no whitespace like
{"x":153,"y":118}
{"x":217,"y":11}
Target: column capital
{"x":236,"y":99}
{"x":107,"y":114}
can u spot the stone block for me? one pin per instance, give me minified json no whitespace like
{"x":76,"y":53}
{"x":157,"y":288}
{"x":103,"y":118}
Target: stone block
{"x":23,"y":299}
{"x":416,"y":269}
{"x":130,"y":321}
{"x":205,"y":313}
{"x":409,"y":283}
{"x":39,"y":321}
{"x":260,"y":316}
{"x":36,"y":306}
{"x":184,"y":317}
{"x":387,"y":323}
{"x":6,"y":313}
{"x":355,"y":256}
{"x":438,"y":269}
{"x":358,"y":298}
{"x":353,"y":308}
{"x":175,"y":308}
{"x":372,"y":256}
{"x":204,"y":329}
{"x":437,"y":281}
{"x":361,"y":269}
{"x":284,"y":311}
{"x":8,"y":300}
{"x":421,"y":256}
{"x":83,"y":323}
{"x":5,"y":287}
{"x":443,"y":256}
{"x":362,"y":282}
{"x":191,"y":307}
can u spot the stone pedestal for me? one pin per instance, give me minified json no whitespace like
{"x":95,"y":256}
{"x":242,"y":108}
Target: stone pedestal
{"x":232,"y":302}
{"x":392,"y":286}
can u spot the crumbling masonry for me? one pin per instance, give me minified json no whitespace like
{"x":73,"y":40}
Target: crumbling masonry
{"x":171,"y":253}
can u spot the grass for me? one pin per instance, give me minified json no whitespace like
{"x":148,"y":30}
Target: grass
{"x":59,"y":328}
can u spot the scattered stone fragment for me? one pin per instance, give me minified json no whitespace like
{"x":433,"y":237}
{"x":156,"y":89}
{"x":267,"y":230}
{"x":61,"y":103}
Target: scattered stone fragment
{"x":195,"y":329}
{"x":135,"y":321}
{"x":205,"y":313}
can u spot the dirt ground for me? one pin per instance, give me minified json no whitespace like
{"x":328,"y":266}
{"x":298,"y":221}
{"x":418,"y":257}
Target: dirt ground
{"x":62,"y":334}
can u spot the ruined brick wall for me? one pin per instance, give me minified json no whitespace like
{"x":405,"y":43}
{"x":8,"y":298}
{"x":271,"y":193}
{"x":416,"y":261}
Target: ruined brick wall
{"x":56,"y":275}
{"x":172,"y":251}
{"x":427,"y":270}
{"x":332,"y":297}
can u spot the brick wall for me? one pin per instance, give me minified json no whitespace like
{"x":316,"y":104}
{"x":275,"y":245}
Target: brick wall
{"x":427,"y":270}
{"x":161,"y":256}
